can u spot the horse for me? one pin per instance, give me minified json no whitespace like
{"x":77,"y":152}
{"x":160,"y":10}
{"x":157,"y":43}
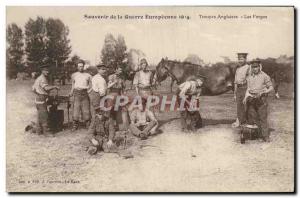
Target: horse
{"x":219,"y":77}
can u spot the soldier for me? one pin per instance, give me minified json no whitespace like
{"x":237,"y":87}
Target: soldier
{"x":98,"y":90}
{"x":101,"y":134}
{"x":142,"y":80}
{"x":116,"y":86}
{"x":81,"y":83}
{"x":192,"y":87}
{"x":143,"y":122}
{"x":240,"y":86}
{"x":259,"y":84}
{"x":42,"y":88}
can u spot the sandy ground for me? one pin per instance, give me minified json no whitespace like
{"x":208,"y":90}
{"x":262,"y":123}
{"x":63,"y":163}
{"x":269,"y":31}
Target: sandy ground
{"x":212,"y":159}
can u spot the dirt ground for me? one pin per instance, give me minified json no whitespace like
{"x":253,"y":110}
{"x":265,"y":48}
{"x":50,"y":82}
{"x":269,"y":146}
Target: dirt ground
{"x":212,"y":159}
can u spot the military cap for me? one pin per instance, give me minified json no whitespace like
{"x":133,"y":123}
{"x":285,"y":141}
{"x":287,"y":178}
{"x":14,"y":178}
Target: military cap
{"x":81,"y":61}
{"x":143,"y":60}
{"x":101,"y":65}
{"x":257,"y":61}
{"x":44,"y":67}
{"x":242,"y":55}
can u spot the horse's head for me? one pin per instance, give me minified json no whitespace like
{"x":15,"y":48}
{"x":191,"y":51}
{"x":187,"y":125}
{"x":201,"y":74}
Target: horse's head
{"x":161,"y":70}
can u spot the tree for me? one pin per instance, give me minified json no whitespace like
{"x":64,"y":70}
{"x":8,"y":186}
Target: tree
{"x":36,"y":43}
{"x":57,"y":44}
{"x":134,"y":56}
{"x":108,"y":52}
{"x":194,"y":59}
{"x":121,"y":54}
{"x":14,"y":51}
{"x":47,"y":43}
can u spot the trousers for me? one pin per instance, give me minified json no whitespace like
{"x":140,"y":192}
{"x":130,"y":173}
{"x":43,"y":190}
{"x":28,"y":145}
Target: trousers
{"x":257,"y":111}
{"x":148,"y":129}
{"x":81,"y":105}
{"x":240,"y":107}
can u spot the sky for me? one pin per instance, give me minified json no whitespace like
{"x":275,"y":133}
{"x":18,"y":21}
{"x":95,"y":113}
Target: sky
{"x":210,"y":39}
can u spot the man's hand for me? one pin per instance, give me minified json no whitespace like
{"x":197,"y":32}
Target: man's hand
{"x":71,"y":93}
{"x":234,"y":96}
{"x":245,"y":101}
{"x":94,"y":142}
{"x":109,"y":143}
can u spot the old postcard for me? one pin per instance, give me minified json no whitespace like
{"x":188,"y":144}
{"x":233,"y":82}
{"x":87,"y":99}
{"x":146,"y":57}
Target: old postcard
{"x":150,"y":99}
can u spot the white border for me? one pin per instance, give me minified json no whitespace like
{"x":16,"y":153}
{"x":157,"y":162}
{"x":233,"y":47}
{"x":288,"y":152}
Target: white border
{"x":4,"y":3}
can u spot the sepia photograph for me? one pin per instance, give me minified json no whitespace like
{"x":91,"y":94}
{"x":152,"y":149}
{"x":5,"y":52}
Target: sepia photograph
{"x":150,"y":99}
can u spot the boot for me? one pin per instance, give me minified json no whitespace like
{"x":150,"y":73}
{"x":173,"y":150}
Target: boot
{"x":75,"y":125}
{"x":87,"y":124}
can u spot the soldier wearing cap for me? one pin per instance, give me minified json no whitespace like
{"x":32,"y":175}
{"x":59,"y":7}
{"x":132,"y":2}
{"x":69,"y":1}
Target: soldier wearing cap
{"x":98,"y":90}
{"x":41,"y":88}
{"x":116,"y":86}
{"x":259,"y":84}
{"x":240,"y":86}
{"x":81,"y":83}
{"x":142,"y":80}
{"x":191,"y":87}
{"x":100,"y":135}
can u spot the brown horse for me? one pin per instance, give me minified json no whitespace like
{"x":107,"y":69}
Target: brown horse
{"x":219,"y":77}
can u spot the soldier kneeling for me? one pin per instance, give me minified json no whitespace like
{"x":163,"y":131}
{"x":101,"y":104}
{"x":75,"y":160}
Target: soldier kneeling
{"x":101,"y":133}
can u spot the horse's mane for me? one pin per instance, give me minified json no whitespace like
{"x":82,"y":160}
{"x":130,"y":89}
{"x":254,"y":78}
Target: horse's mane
{"x":184,"y":62}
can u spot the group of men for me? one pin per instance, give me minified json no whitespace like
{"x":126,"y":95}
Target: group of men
{"x":87,"y":91}
{"x":251,"y":88}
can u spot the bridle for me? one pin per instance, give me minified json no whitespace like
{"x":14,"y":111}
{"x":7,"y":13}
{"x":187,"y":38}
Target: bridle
{"x":169,"y":73}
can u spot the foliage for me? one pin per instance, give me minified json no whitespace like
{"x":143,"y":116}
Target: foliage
{"x":14,"y":51}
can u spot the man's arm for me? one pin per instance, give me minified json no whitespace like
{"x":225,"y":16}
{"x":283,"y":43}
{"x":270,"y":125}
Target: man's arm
{"x":72,"y":86}
{"x":47,"y":87}
{"x":269,"y":85}
{"x":90,"y":83}
{"x":102,"y":88}
{"x":234,"y":91}
{"x":183,"y":89}
{"x":136,"y":82}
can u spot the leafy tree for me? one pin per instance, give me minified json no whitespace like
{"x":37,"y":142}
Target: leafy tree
{"x":47,"y":43}
{"x":108,"y":53}
{"x":36,"y":43}
{"x":121,"y":54}
{"x":58,"y":45}
{"x":14,"y":51}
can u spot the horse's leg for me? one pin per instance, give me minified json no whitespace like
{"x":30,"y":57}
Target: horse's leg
{"x":276,"y":91}
{"x":276,"y":86}
{"x":172,"y":81}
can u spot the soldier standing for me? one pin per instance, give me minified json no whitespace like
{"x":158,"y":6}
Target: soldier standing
{"x":259,"y":84}
{"x":142,"y":80}
{"x":240,"y":87}
{"x":41,"y":88}
{"x":81,"y":83}
{"x":116,"y":86}
{"x":99,"y":89}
